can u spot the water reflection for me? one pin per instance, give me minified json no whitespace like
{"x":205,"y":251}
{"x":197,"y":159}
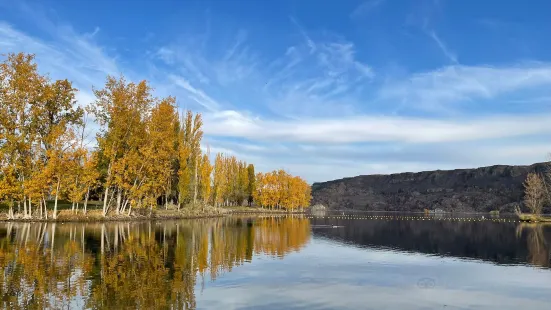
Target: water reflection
{"x":539,"y":251}
{"x":501,"y":243}
{"x":337,"y":263}
{"x":132,"y":265}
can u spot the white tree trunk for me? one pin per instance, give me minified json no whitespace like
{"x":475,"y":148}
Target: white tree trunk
{"x":55,"y":202}
{"x":105,"y":201}
{"x":119,"y":199}
{"x":86,"y":199}
{"x":45,"y":207}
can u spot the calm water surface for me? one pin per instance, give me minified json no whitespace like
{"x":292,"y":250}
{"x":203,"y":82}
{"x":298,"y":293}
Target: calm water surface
{"x":277,"y":263}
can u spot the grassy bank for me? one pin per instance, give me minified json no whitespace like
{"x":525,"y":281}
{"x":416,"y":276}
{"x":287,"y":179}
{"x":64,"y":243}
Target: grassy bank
{"x":95,"y":215}
{"x":525,"y":217}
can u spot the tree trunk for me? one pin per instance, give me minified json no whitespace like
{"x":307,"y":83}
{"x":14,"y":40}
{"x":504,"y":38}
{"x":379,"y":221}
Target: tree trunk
{"x":30,"y":208}
{"x":24,"y":206}
{"x":119,"y":199}
{"x":124,"y":204}
{"x":55,"y":202}
{"x":45,"y":207}
{"x":10,"y":212}
{"x":105,"y":200}
{"x":86,"y":199}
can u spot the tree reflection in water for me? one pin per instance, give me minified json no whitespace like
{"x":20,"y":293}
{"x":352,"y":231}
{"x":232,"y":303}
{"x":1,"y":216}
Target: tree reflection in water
{"x":132,"y":265}
{"x":539,"y":252}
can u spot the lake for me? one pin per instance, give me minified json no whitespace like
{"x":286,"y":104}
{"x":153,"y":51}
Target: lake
{"x":334,"y":261}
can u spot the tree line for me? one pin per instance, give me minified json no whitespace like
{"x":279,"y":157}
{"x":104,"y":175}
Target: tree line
{"x":146,"y":154}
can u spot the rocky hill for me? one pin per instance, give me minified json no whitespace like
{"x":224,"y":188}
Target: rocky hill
{"x":463,"y":190}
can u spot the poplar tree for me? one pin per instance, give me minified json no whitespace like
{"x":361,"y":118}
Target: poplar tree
{"x":121,"y":108}
{"x":205,"y":178}
{"x":251,"y":186}
{"x":145,"y":153}
{"x":189,"y":157}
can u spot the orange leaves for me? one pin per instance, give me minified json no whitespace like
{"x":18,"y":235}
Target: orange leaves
{"x":37,"y":140}
{"x":144,"y":149}
{"x":205,"y":180}
{"x":231,"y":180}
{"x":159,"y":151}
{"x":280,"y":189}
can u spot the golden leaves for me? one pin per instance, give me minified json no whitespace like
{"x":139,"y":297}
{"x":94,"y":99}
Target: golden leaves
{"x":282,"y":190}
{"x":144,"y":149}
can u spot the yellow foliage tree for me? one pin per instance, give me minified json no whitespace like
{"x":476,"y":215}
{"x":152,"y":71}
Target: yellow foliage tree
{"x":145,"y":152}
{"x":278,"y":189}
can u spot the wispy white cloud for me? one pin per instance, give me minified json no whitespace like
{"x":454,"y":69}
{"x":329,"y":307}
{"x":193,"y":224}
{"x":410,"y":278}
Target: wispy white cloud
{"x":315,"y":106}
{"x":309,"y":42}
{"x":195,"y":94}
{"x":312,"y":75}
{"x":449,"y":54}
{"x":89,"y":63}
{"x":376,"y":128}
{"x":365,"y":8}
{"x":437,"y":90}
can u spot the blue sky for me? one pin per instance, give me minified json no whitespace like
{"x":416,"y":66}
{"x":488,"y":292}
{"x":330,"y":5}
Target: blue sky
{"x":324,"y":89}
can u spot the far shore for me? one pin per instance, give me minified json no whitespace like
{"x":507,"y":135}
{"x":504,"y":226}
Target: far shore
{"x":95,"y":215}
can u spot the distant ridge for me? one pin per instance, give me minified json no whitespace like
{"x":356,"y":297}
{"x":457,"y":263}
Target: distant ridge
{"x":497,"y":187}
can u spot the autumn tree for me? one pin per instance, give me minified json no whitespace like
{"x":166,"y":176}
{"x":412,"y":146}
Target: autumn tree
{"x":145,"y":152}
{"x":278,"y":189}
{"x":90,"y":176}
{"x":160,"y":147}
{"x":205,"y":178}
{"x":122,"y":108}
{"x":251,"y":186}
{"x":34,"y":114}
{"x":189,"y":157}
{"x":219,"y":180}
{"x":534,"y":193}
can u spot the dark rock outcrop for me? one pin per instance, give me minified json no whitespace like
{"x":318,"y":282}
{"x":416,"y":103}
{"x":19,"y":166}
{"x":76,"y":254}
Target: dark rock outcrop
{"x":462,"y":190}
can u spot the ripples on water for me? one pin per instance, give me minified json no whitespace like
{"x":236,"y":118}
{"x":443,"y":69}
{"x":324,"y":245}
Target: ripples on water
{"x":276,"y":263}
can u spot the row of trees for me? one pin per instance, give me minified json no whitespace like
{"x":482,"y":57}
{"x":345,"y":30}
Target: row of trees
{"x":146,"y":154}
{"x":280,"y":189}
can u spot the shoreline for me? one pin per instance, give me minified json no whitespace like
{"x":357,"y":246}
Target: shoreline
{"x":95,"y":215}
{"x":532,"y":218}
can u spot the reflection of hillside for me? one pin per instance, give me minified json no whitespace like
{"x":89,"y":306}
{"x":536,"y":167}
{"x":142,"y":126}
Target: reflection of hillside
{"x":495,"y":242}
{"x":131,"y":265}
